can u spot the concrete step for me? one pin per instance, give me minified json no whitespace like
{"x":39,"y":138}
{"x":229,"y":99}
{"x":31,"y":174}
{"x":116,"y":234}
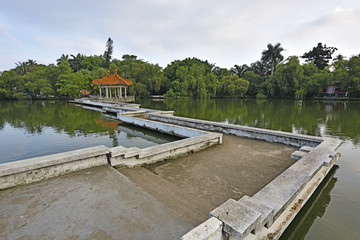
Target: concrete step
{"x":267,"y":213}
{"x":188,"y":207}
{"x":239,"y":220}
{"x":298,"y":154}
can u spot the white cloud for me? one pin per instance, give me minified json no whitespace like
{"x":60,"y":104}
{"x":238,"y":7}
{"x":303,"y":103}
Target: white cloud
{"x":159,"y":31}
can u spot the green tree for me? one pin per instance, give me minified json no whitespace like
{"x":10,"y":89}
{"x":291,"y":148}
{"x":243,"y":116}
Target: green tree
{"x":91,"y":62}
{"x":288,"y":77}
{"x":22,"y":67}
{"x":32,"y":64}
{"x":273,"y":55}
{"x":63,"y":58}
{"x":233,"y":85}
{"x":108,"y":53}
{"x":354,"y":75}
{"x":239,"y":70}
{"x":75,"y":61}
{"x":255,"y":82}
{"x":71,"y":84}
{"x":319,"y":55}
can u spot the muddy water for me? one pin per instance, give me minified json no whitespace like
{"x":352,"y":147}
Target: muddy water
{"x":334,"y":211}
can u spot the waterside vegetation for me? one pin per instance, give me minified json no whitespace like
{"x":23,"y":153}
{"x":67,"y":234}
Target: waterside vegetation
{"x":270,"y":77}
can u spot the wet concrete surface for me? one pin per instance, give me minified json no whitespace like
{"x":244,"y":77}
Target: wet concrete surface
{"x":238,"y":167}
{"x":98,"y":203}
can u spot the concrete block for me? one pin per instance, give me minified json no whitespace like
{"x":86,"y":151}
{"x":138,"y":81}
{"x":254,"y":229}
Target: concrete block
{"x":267,"y":213}
{"x":239,"y":220}
{"x":132,"y":152}
{"x":282,"y":190}
{"x":51,"y":160}
{"x":297,"y":155}
{"x":211,"y":229}
{"x":306,"y":149}
{"x":118,"y":151}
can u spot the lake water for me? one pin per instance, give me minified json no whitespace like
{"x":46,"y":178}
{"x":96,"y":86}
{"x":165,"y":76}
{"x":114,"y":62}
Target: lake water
{"x":30,"y":129}
{"x":33,"y":129}
{"x":334,"y":211}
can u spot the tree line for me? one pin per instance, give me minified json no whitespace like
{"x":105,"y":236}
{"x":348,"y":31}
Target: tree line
{"x":271,"y":76}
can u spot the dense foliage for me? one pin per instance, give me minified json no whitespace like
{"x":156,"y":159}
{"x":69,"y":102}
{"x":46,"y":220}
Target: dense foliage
{"x":271,"y":76}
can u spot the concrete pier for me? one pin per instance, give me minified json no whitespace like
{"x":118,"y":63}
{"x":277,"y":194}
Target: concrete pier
{"x":96,"y":203}
{"x":249,"y":184}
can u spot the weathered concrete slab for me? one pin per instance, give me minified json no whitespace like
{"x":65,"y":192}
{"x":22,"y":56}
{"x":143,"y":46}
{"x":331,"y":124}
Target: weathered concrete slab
{"x":208,"y":230}
{"x":238,"y":219}
{"x":267,"y":213}
{"x":306,"y":149}
{"x":298,"y":154}
{"x":238,"y":167}
{"x":40,"y":168}
{"x":297,"y":140}
{"x":162,"y":127}
{"x":131,"y":157}
{"x":97,"y":203}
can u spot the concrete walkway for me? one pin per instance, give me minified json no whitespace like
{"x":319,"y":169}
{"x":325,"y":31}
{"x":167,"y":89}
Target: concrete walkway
{"x":98,"y":203}
{"x":195,"y":184}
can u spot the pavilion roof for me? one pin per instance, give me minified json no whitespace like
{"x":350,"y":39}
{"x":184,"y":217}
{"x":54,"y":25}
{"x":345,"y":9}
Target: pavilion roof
{"x":112,"y":80}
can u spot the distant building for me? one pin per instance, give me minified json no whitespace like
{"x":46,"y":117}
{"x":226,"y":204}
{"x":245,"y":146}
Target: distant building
{"x":115,"y":87}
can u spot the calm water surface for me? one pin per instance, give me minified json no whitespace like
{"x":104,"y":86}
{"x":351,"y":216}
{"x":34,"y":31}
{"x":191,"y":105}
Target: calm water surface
{"x":33,"y":129}
{"x":334,"y":211}
{"x":29,"y":129}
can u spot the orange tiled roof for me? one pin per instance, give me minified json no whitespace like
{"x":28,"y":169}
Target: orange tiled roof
{"x":112,"y":80}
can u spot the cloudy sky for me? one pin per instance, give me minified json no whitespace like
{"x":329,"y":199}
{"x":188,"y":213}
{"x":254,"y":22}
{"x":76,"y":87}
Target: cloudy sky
{"x":225,"y":32}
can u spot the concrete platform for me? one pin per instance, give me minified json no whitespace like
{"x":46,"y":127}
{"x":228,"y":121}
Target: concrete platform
{"x":238,"y":167}
{"x":97,"y":203}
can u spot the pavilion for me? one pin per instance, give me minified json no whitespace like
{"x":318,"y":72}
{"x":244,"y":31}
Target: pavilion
{"x":113,"y":86}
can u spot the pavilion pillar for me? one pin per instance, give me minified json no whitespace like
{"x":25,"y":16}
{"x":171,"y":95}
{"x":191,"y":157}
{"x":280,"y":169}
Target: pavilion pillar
{"x":110,"y":92}
{"x":120,"y":92}
{"x":107,"y":92}
{"x":125,"y":92}
{"x":100,"y":91}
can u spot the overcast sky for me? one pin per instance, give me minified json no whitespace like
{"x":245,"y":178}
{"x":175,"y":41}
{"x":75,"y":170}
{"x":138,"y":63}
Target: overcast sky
{"x":225,"y":32}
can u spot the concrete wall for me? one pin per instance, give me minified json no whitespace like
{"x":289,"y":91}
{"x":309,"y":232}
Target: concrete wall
{"x":40,"y":168}
{"x":162,"y":127}
{"x":296,"y":140}
{"x":132,"y":157}
{"x":208,"y":230}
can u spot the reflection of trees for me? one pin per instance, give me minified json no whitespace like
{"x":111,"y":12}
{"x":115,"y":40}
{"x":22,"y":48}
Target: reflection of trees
{"x":313,"y":209}
{"x":35,"y":116}
{"x":285,"y":115}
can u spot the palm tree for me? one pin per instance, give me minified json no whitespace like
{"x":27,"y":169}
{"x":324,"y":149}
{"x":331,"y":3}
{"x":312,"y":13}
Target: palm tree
{"x":273,"y":55}
{"x":22,"y":67}
{"x":63,"y":58}
{"x":239,"y":70}
{"x":32,"y":64}
{"x":75,"y":61}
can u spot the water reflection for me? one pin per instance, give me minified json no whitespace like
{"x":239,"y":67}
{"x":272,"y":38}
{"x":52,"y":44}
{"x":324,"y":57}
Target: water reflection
{"x":314,"y":208}
{"x":32,"y":129}
{"x":317,"y":118}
